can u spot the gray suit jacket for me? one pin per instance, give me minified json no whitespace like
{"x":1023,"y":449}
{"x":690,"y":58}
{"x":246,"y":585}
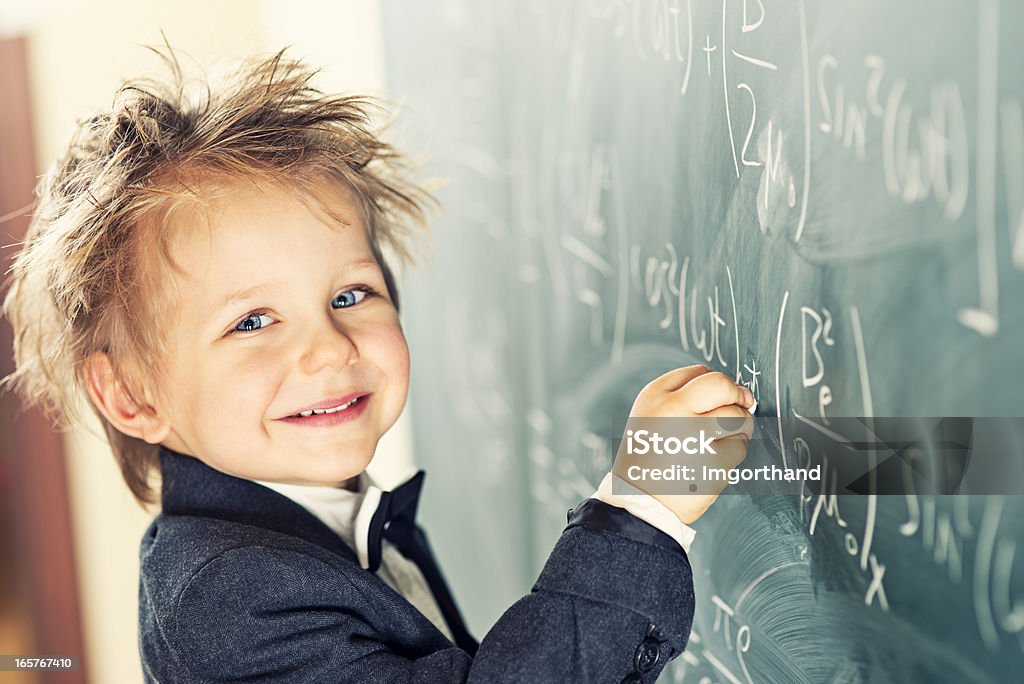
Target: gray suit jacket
{"x":241,"y":584}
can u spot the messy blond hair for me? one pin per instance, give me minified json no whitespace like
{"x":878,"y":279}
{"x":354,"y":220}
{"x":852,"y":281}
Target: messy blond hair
{"x":77,"y":284}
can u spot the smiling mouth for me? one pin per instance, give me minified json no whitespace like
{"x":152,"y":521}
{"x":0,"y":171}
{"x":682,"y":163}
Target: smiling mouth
{"x":321,"y":412}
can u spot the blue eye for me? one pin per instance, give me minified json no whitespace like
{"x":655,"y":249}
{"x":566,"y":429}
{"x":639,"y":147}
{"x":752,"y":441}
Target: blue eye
{"x":253,"y":321}
{"x":349,"y":298}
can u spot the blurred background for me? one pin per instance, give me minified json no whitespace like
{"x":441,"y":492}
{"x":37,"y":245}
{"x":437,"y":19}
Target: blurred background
{"x":69,"y":529}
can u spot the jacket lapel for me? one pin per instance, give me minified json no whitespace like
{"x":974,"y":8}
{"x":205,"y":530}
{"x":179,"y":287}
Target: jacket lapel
{"x":190,"y":487}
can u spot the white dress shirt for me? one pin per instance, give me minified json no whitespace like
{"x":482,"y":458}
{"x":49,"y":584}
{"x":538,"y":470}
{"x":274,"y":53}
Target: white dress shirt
{"x":645,"y":507}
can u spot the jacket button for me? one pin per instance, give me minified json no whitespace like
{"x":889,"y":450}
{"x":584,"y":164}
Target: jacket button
{"x":633,"y":678}
{"x":647,"y":655}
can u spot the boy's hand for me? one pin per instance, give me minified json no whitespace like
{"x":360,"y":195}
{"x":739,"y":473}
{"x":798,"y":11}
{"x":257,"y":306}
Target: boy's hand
{"x":695,"y":392}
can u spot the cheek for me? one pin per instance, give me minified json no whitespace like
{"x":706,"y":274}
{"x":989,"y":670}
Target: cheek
{"x":240,"y":389}
{"x":398,"y":356}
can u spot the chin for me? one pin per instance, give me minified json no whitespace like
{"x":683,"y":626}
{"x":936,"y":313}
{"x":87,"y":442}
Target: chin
{"x":334,"y":474}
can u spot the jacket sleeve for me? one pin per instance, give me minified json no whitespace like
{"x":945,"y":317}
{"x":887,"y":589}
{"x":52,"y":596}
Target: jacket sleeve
{"x":613,"y":601}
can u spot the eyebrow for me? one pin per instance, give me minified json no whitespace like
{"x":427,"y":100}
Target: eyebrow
{"x":236,"y":297}
{"x":255,"y":290}
{"x":245,"y":293}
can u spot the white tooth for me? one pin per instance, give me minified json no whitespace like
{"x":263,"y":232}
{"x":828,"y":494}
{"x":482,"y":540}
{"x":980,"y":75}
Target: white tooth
{"x":320,"y":412}
{"x":343,"y":406}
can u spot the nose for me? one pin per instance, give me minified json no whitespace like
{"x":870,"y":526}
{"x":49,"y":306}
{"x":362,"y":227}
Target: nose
{"x":330,"y":346}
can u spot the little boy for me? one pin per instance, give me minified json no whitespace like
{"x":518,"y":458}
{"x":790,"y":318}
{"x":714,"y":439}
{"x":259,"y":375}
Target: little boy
{"x":212,"y":273}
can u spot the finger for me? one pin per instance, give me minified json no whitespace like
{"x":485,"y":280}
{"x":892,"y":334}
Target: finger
{"x":709,"y":391}
{"x":732,"y":420}
{"x":674,"y":379}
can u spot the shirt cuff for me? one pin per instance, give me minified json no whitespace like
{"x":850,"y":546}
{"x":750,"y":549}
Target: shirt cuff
{"x":647,"y":508}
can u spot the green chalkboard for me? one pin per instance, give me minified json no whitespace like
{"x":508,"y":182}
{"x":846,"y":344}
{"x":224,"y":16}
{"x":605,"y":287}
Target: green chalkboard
{"x":825,"y":200}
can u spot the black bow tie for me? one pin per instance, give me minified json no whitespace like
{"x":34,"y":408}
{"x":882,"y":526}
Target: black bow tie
{"x":395,"y":520}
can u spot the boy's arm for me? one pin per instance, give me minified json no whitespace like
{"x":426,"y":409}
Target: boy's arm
{"x":607,"y":606}
{"x":615,"y":600}
{"x":647,"y":508}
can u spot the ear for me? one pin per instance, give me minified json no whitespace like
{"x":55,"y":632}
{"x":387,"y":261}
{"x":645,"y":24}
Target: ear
{"x":116,"y":404}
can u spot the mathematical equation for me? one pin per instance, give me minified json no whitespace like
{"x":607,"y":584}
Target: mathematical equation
{"x":926,"y":153}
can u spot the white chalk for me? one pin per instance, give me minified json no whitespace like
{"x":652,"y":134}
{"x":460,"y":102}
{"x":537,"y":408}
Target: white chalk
{"x":753,"y":407}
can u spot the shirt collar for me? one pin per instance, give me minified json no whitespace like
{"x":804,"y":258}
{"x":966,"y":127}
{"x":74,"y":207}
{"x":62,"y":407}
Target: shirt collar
{"x":346,"y":512}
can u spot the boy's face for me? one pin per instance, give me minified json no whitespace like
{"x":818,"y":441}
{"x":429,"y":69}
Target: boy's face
{"x":280,"y":313}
